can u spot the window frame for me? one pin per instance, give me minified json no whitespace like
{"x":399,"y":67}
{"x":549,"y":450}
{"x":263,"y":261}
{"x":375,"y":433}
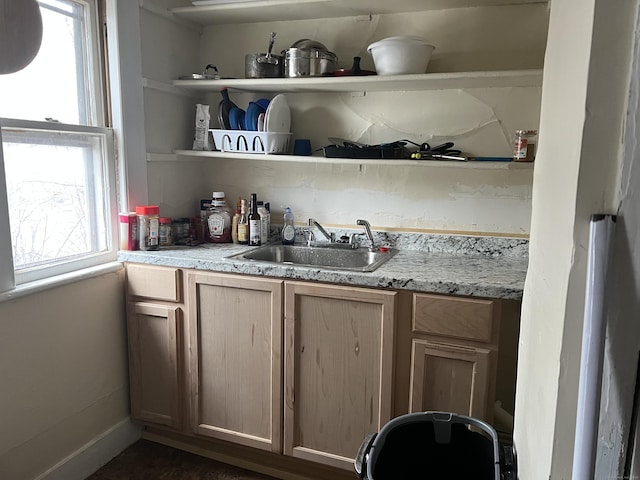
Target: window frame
{"x":97,"y":56}
{"x":108,"y":173}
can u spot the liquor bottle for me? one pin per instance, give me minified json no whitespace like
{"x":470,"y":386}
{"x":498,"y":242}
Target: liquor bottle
{"x":243,"y":224}
{"x":255,"y":225}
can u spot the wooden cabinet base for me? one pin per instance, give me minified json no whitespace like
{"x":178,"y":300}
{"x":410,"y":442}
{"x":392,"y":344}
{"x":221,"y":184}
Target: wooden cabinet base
{"x":268,"y":463}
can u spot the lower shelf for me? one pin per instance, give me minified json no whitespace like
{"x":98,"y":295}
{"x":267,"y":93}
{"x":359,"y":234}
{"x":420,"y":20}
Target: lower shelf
{"x":318,"y":159}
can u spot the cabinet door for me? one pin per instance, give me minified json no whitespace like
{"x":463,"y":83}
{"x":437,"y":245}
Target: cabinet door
{"x":338,"y":369}
{"x":235,"y":329}
{"x":154,"y":363}
{"x":449,"y":378}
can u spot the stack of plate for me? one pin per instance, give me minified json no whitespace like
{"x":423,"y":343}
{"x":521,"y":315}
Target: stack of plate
{"x":261,"y":116}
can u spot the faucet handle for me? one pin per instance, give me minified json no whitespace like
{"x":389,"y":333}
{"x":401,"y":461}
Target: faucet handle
{"x":310,"y":236}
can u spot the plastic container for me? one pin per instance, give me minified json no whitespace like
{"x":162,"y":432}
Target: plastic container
{"x":129,"y":239}
{"x":288,"y":229}
{"x":149,"y":227}
{"x":244,"y":141}
{"x":401,"y":55}
{"x":219,"y":220}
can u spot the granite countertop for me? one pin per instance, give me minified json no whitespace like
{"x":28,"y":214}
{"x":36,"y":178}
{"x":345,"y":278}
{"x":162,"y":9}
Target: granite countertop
{"x":489,"y":267}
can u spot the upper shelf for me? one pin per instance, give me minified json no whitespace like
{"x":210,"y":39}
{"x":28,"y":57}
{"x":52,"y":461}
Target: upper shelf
{"x":282,"y":10}
{"x":373,"y":83}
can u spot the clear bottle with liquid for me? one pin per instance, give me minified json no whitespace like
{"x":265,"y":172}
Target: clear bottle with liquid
{"x":265,"y":222}
{"x":288,"y":229}
{"x":243,"y":224}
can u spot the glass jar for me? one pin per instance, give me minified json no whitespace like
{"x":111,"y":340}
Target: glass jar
{"x":524,"y":145}
{"x":219,"y":220}
{"x":166,"y":232}
{"x":149,"y":226}
{"x":181,"y":231}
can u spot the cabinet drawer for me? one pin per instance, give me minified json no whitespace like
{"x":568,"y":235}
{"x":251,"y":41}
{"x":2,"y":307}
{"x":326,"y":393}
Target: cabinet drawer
{"x":160,"y":283}
{"x":467,"y":318}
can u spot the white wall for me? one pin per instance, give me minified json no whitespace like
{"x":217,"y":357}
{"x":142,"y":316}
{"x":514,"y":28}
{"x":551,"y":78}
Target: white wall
{"x":480,"y":121}
{"x":63,"y":371}
{"x":582,"y":120}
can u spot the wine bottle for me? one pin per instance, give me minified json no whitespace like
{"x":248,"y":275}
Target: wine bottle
{"x":255,"y":225}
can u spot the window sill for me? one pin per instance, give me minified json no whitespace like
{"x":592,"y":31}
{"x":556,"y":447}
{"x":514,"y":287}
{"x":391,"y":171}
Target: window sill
{"x":30,"y":288}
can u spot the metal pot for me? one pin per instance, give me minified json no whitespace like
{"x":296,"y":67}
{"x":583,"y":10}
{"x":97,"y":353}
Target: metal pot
{"x":263,"y":65}
{"x":309,"y":62}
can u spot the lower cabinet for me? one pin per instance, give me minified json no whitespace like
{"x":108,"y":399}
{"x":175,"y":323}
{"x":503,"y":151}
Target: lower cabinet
{"x":302,"y":371}
{"x":453,"y":354}
{"x":235,"y":338}
{"x":154,"y":363}
{"x":338,"y":369}
{"x":450,"y":378}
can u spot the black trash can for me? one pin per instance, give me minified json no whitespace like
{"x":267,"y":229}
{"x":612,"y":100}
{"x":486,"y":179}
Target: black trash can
{"x":432,"y":445}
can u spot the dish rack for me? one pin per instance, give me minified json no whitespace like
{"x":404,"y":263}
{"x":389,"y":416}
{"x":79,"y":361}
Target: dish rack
{"x":244,"y":141}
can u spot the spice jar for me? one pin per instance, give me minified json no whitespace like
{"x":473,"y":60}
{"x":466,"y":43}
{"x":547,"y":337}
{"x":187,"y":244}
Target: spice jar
{"x":128,"y":231}
{"x":181,"y":231}
{"x":149,"y":226}
{"x":524,"y":145}
{"x":166,"y":232}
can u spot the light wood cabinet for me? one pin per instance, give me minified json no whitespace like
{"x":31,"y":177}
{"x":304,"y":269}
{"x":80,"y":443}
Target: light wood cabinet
{"x":453,"y":355}
{"x":449,"y":378}
{"x":235,"y":328}
{"x":155,"y":332}
{"x":338,"y":369}
{"x":302,"y":372}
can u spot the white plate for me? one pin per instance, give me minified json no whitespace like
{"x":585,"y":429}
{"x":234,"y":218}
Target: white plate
{"x":278,"y":116}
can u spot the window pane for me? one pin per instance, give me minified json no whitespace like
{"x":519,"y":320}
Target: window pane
{"x":57,"y":205}
{"x":56,"y":84}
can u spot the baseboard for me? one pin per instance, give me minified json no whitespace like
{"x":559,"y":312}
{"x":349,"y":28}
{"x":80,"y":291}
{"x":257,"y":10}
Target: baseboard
{"x":96,"y":453}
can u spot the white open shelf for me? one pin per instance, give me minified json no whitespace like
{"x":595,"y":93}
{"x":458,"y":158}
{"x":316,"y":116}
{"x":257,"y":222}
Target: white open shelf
{"x":372,"y":83}
{"x":319,"y":160}
{"x":285,"y":10}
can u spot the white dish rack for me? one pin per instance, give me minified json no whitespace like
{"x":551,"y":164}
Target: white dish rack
{"x":244,"y":141}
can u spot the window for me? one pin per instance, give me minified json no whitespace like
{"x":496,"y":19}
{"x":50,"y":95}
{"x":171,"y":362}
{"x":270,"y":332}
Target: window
{"x":58,"y":154}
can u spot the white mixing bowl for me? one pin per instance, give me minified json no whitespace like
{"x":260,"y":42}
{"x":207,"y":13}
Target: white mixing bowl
{"x":401,"y":55}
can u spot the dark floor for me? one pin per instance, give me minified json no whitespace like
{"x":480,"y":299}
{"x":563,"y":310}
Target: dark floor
{"x":146,"y":460}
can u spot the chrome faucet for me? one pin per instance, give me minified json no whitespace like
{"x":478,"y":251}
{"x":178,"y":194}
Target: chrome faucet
{"x":331,"y":237}
{"x":367,"y":231}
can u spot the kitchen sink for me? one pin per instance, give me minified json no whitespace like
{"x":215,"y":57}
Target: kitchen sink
{"x":332,"y":256}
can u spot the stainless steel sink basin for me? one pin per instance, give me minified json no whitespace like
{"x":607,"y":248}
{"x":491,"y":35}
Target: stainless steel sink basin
{"x":331,"y":257}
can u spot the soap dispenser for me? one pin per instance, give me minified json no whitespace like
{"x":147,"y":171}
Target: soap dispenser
{"x":288,"y":230}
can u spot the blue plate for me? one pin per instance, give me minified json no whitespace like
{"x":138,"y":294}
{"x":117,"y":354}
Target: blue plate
{"x":253,"y":112}
{"x":263,"y":102}
{"x":237,"y":118}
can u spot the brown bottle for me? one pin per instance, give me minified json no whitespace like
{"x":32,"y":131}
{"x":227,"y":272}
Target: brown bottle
{"x":255,"y":225}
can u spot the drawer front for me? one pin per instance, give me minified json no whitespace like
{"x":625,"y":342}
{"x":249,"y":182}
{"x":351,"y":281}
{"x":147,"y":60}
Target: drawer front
{"x":159,"y":283}
{"x":467,"y":318}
